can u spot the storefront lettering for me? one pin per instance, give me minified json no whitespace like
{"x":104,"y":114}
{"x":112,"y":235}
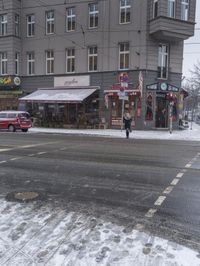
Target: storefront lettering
{"x":71,"y":82}
{"x":165,"y":87}
{"x":5,"y":80}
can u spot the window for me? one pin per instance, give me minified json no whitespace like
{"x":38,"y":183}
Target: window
{"x":71,"y":16}
{"x":124,"y":55}
{"x":92,"y":58}
{"x":49,"y":62}
{"x":3,"y":63}
{"x":3,"y":25}
{"x":171,"y":8}
{"x":70,"y":60}
{"x":30,"y":25}
{"x":16,"y":63}
{"x":17,"y":25}
{"x":155,"y":8}
{"x":124,"y":11}
{"x":163,"y":61}
{"x":184,"y":9}
{"x":50,"y":22}
{"x":30,"y":63}
{"x":93,"y":15}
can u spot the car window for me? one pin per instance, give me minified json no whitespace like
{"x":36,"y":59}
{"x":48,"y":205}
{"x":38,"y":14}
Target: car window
{"x":3,"y":115}
{"x":26,"y":115}
{"x":11,"y":115}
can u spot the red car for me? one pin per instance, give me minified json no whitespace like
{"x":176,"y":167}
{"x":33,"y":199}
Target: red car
{"x":13,"y":120}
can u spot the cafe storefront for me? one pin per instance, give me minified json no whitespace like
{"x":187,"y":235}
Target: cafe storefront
{"x":10,"y":92}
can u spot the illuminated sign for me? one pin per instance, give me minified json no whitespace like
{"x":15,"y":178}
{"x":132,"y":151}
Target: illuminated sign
{"x":9,"y":82}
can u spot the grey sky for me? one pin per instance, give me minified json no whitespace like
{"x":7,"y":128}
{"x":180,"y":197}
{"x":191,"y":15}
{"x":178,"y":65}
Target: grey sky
{"x":192,"y":51}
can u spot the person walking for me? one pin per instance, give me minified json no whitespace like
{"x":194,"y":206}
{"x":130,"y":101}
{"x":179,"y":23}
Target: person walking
{"x":127,"y":123}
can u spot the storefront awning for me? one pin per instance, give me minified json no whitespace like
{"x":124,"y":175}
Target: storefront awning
{"x":59,"y":95}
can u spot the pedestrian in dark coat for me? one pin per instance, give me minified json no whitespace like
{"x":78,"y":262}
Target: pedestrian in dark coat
{"x":127,"y":123}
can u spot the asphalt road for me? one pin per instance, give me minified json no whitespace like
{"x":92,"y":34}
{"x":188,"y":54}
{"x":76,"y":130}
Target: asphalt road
{"x":152,"y":185}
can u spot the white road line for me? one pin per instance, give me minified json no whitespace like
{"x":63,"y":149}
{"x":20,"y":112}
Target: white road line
{"x":188,"y":165}
{"x":31,"y":155}
{"x":180,"y":175}
{"x":1,"y":150}
{"x":16,"y":158}
{"x":160,"y":200}
{"x":168,"y":190}
{"x":175,"y":181}
{"x":42,"y":152}
{"x":150,"y":213}
{"x":2,"y":162}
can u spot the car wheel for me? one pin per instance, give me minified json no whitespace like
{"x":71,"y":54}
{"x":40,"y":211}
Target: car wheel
{"x":11,"y":128}
{"x":24,"y":129}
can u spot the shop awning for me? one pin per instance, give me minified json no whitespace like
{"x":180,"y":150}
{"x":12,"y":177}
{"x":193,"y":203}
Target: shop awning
{"x":59,"y":95}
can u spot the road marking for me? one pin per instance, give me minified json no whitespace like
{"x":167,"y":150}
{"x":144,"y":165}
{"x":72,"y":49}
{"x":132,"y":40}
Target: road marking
{"x":16,"y":158}
{"x":168,"y":190}
{"x":3,"y":162}
{"x":160,"y":200}
{"x":30,"y":155}
{"x":188,"y":165}
{"x":180,"y":175}
{"x":184,"y":170}
{"x":150,"y":213}
{"x":175,"y":181}
{"x":42,"y":152}
{"x":1,"y":150}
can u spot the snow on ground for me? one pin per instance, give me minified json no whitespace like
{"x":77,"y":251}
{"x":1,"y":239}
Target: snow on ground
{"x":187,"y":134}
{"x":39,"y":234}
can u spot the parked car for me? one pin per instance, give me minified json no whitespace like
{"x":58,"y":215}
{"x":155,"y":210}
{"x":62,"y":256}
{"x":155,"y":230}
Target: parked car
{"x":15,"y":120}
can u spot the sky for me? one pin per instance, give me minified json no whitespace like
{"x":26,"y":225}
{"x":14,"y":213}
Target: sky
{"x":192,"y":51}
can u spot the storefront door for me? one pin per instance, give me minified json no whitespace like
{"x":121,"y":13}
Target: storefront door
{"x":161,"y":112}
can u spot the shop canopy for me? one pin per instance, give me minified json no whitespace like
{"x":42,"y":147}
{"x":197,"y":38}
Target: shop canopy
{"x":59,"y":95}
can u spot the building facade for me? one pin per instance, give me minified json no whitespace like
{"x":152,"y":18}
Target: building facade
{"x":131,"y":52}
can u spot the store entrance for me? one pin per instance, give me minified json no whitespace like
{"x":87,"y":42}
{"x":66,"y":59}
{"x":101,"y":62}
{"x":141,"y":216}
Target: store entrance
{"x":161,"y":112}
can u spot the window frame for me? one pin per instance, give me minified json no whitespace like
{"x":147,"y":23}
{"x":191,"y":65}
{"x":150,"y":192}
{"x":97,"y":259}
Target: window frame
{"x":171,"y":10}
{"x":3,"y":24}
{"x":155,"y":8}
{"x":50,"y":22}
{"x":71,"y":19}
{"x":17,"y":57}
{"x":70,"y":58}
{"x":123,"y":55}
{"x":163,"y":60}
{"x":30,"y":63}
{"x":125,"y":8}
{"x":3,"y":63}
{"x":93,"y":58}
{"x":17,"y":25}
{"x":93,"y":15}
{"x":30,"y":25}
{"x":185,"y":7}
{"x":50,"y":60}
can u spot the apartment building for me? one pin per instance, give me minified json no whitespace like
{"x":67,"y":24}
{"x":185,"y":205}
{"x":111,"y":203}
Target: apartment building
{"x":80,"y":63}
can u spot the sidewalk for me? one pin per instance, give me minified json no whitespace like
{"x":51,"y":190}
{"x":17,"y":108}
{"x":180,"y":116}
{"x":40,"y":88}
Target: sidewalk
{"x":187,"y":134}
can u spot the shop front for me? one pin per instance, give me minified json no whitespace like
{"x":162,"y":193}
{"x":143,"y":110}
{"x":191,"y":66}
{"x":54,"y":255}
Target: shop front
{"x":162,"y":105}
{"x":10,"y":92}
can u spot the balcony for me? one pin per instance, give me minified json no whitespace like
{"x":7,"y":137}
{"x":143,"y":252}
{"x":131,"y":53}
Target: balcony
{"x":164,"y":28}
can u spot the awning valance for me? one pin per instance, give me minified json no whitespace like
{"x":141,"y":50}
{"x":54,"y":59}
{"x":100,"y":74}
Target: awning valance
{"x":59,"y":95}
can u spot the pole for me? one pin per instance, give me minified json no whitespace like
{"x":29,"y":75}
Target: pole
{"x":170,"y":117}
{"x":122,"y":114}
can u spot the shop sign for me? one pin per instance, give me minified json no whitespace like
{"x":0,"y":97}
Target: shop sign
{"x":165,"y":87}
{"x":9,"y":81}
{"x":72,"y":81}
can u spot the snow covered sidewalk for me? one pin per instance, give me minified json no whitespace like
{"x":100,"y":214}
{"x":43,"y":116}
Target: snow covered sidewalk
{"x":187,"y":134}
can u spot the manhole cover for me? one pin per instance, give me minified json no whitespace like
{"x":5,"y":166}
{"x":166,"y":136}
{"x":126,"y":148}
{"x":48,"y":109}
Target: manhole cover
{"x":25,"y":196}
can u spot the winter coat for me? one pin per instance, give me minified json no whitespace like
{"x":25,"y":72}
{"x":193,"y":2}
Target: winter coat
{"x":127,"y":122}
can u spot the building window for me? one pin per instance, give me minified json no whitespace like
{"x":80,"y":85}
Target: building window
{"x":171,"y":8}
{"x":71,"y":19}
{"x":49,"y":22}
{"x":30,"y":63}
{"x":185,"y":9}
{"x":3,"y":63}
{"x":3,"y":25}
{"x":155,"y":8}
{"x":17,"y":25}
{"x":92,"y":58}
{"x":93,"y":15}
{"x":30,"y":25}
{"x":16,"y":63}
{"x":163,"y":55}
{"x":124,"y":55}
{"x":49,"y":62}
{"x":125,"y":9}
{"x":70,"y":60}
